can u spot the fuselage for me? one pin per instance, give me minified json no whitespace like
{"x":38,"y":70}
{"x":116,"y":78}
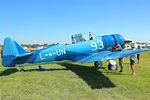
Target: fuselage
{"x":16,"y":55}
{"x":70,"y":52}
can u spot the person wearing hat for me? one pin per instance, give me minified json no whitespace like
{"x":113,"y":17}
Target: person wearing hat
{"x":132,"y":61}
{"x":119,"y":48}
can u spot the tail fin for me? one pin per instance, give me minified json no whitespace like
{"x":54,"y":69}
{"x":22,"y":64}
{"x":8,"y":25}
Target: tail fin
{"x":11,"y":50}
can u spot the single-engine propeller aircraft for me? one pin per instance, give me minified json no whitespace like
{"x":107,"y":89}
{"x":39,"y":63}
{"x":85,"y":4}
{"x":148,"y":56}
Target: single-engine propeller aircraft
{"x":95,"y":50}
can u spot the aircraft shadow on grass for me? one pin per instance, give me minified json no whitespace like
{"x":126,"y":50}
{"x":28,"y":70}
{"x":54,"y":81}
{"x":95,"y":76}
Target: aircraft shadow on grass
{"x":95,"y":79}
{"x":8,"y":71}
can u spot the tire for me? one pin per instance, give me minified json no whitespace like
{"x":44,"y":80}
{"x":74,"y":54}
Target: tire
{"x":98,"y":64}
{"x":112,"y":67}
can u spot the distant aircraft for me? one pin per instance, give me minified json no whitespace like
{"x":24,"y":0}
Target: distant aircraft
{"x":95,"y":50}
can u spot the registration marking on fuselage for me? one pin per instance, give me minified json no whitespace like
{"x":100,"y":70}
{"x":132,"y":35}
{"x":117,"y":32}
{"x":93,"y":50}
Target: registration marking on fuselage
{"x":58,"y":52}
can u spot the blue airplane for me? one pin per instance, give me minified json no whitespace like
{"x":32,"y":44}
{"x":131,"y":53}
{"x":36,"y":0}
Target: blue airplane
{"x":95,"y":50}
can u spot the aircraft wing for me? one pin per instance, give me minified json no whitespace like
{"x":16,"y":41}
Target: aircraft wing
{"x":108,"y":55}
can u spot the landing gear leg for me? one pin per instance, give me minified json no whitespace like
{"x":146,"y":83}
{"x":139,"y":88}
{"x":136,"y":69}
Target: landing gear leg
{"x":98,"y":64}
{"x":40,"y":68}
{"x":21,"y":68}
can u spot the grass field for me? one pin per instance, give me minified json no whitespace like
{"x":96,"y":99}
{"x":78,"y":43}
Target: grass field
{"x":71,"y":81}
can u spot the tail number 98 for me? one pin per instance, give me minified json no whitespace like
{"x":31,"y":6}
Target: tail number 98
{"x":97,"y":45}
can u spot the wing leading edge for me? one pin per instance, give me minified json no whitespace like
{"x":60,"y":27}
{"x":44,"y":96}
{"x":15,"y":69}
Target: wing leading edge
{"x":108,"y":55}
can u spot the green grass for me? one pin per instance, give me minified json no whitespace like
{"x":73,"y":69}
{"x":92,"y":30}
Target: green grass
{"x":71,"y":81}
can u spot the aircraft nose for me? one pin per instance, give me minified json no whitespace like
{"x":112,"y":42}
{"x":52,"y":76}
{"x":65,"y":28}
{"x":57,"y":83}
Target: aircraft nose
{"x":113,"y":40}
{"x":119,"y":39}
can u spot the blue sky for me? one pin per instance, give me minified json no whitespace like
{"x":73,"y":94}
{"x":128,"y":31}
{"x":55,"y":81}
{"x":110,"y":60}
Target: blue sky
{"x":52,"y":21}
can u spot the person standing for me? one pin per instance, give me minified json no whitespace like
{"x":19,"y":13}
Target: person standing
{"x":119,"y":48}
{"x":132,"y":61}
{"x":138,"y":55}
{"x":91,"y":36}
{"x":2,"y":53}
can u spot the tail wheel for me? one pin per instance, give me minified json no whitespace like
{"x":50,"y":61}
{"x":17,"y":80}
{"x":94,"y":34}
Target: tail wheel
{"x":98,"y":64}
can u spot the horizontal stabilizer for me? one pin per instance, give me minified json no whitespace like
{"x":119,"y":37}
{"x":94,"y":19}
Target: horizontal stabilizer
{"x":24,"y":55}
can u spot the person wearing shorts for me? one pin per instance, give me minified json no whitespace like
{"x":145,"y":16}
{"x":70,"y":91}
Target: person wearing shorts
{"x":132,"y":61}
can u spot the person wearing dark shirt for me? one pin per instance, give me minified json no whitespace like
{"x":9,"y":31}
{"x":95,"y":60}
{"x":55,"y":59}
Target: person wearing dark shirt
{"x":91,"y":36}
{"x":2,"y":53}
{"x":138,"y":55}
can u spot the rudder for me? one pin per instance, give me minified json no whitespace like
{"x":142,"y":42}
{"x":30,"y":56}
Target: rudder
{"x":11,"y":50}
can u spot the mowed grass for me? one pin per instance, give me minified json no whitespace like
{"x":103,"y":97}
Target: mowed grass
{"x":71,"y":81}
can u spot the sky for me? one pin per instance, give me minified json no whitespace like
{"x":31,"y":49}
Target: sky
{"x":54,"y":21}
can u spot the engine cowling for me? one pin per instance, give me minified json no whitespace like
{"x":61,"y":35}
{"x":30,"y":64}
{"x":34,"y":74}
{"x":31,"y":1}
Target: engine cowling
{"x":112,"y":40}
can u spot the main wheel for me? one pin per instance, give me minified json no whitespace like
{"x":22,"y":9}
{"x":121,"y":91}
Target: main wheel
{"x":98,"y":64}
{"x":112,"y":67}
